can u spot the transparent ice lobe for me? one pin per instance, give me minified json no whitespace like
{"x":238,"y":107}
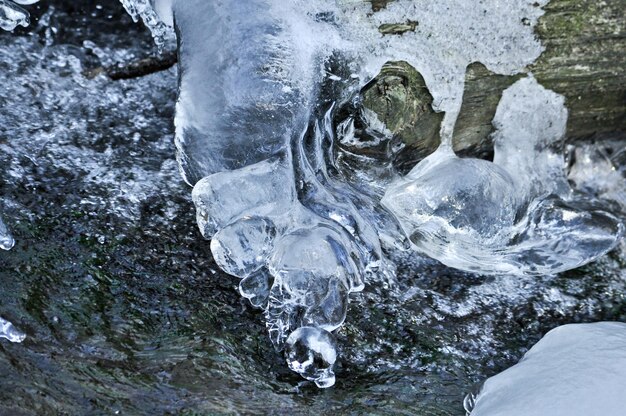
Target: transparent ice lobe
{"x":312,"y":271}
{"x":472,"y":195}
{"x":6,"y":239}
{"x":12,"y":15}
{"x":312,"y":352}
{"x":261,"y":188}
{"x":10,"y":332}
{"x":241,"y":248}
{"x":516,"y":215}
{"x":574,"y":370}
{"x":256,"y":288}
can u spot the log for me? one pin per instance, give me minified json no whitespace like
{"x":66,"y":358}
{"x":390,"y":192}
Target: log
{"x":584,"y":60}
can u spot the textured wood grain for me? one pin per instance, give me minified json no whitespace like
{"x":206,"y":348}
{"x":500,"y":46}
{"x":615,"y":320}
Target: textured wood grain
{"x":584,"y":60}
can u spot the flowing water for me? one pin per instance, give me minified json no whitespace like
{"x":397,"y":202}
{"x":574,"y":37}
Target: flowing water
{"x":122,"y":303}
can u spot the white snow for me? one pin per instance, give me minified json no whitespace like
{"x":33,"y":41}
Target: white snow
{"x":575,"y":370}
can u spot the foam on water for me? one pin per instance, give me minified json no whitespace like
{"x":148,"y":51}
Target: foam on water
{"x":11,"y":16}
{"x":259,"y":88}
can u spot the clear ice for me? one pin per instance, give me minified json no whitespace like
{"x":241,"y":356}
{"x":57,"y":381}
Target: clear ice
{"x":12,"y":15}
{"x":156,"y":14}
{"x":6,"y":239}
{"x":517,"y":215}
{"x":261,"y":85}
{"x":574,"y":370}
{"x":10,"y":332}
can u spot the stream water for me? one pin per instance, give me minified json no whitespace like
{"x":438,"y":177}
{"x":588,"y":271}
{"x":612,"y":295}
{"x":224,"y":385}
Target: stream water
{"x":124,"y":308}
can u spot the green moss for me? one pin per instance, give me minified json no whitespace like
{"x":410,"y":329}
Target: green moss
{"x":398,"y":28}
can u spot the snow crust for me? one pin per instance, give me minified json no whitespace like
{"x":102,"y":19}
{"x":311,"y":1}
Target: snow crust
{"x":577,"y":369}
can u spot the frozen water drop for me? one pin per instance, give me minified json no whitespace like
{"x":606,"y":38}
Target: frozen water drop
{"x":312,"y":352}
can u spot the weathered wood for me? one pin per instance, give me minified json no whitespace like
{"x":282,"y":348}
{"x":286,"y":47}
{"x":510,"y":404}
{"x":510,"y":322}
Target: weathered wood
{"x":584,"y":60}
{"x":135,"y":69}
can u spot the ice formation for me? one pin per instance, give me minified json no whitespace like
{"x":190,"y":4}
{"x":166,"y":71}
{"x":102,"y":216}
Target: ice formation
{"x":10,"y":332}
{"x":260,"y":86}
{"x":156,"y":14}
{"x":6,"y":239}
{"x":600,"y":170}
{"x":515,"y":215}
{"x":12,"y":15}
{"x":577,"y":369}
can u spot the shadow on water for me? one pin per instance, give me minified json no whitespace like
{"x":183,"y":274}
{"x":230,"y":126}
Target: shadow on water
{"x":124,"y":309}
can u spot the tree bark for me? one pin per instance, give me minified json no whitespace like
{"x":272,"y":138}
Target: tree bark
{"x":584,"y":60}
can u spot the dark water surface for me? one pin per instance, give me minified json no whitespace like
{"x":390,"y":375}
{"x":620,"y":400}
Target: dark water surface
{"x":124,"y":310}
